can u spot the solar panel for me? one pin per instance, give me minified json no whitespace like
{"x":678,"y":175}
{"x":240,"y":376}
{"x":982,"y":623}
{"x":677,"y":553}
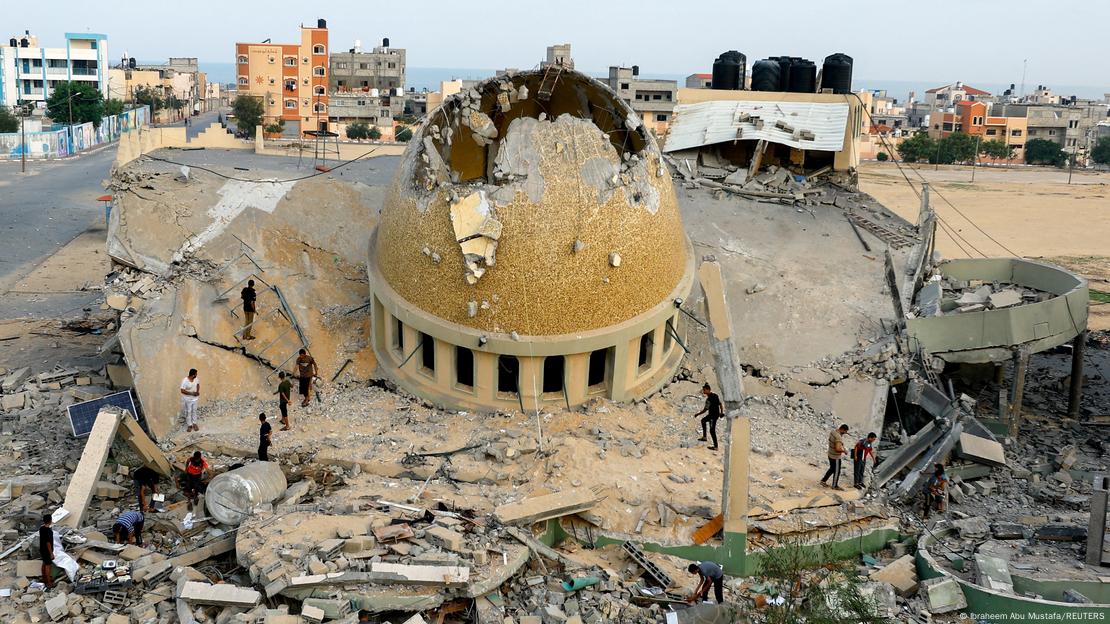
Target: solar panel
{"x":82,"y":415}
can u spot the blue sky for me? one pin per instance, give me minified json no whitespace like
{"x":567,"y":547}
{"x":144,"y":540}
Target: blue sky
{"x":945,"y":40}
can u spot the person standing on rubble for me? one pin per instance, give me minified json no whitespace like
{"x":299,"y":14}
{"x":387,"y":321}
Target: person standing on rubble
{"x":145,"y":480}
{"x":249,"y":298}
{"x":836,"y":456}
{"x":264,"y":433}
{"x":863,"y":448}
{"x":935,"y":490}
{"x":129,"y":525}
{"x":710,"y":574}
{"x":195,"y":469}
{"x":306,"y":372}
{"x":46,"y":549}
{"x":712,"y":411}
{"x":190,"y":394}
{"x":285,"y":395}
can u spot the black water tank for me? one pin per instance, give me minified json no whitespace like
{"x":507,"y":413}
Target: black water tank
{"x":803,"y":77}
{"x":321,"y":23}
{"x":728,"y":71}
{"x":13,"y":42}
{"x":766,"y":75}
{"x":836,"y":73}
{"x":385,"y":42}
{"x":24,"y":43}
{"x":635,"y":70}
{"x":131,"y":62}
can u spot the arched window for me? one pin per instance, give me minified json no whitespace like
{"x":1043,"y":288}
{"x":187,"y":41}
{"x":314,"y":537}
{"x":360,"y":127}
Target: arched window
{"x":290,"y":103}
{"x":318,"y":71}
{"x":243,"y":59}
{"x":319,"y":90}
{"x":318,"y":49}
{"x":319,"y":107}
{"x":243,"y":80}
{"x":291,"y":84}
{"x":290,"y":61}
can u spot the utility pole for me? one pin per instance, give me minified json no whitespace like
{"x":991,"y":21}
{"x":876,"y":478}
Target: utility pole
{"x":1071,"y":165}
{"x":22,"y":137}
{"x":975,"y":157}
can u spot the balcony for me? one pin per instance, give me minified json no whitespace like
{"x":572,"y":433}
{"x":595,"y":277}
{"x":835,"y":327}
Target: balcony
{"x":84,"y":71}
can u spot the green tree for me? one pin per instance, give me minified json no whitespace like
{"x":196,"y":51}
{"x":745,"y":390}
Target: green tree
{"x":996,"y":149}
{"x":882,"y":157}
{"x":374,"y":133}
{"x":113,"y":106}
{"x":404,"y":134}
{"x":1101,"y":151}
{"x":918,"y":148}
{"x":275,"y":127}
{"x":8,"y":121}
{"x":956,"y":147}
{"x":1044,"y":152}
{"x":813,"y":587}
{"x":75,"y":103}
{"x":148,"y":96}
{"x":248,"y":113}
{"x":358,"y":131}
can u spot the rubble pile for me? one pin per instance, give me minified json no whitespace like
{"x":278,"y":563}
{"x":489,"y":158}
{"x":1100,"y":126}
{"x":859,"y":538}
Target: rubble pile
{"x":945,"y":296}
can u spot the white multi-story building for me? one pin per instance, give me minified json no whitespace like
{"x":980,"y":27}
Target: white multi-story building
{"x":30,"y":73}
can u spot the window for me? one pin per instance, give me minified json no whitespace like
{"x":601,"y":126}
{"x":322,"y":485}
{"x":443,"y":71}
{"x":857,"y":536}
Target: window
{"x":639,"y":97}
{"x":427,"y":353}
{"x":290,"y":103}
{"x":243,"y":59}
{"x":319,"y":107}
{"x":599,"y":366}
{"x":508,"y":371}
{"x":668,"y":338}
{"x":243,"y":80}
{"x":363,"y":66}
{"x":992,"y":131}
{"x":385,"y":113}
{"x":319,"y":90}
{"x":1051,"y":133}
{"x":624,"y":86}
{"x":399,"y":336}
{"x":291,"y":84}
{"x":657,"y":97}
{"x":1018,"y":146}
{"x":661,"y":117}
{"x":393,"y":65}
{"x":1015,"y":132}
{"x":318,"y":71}
{"x":1031,"y":132}
{"x":1073,"y":123}
{"x":290,"y":61}
{"x":647,"y":346}
{"x":464,"y":367}
{"x":976,"y":121}
{"x":947,"y":126}
{"x":1071,"y":142}
{"x":553,"y":366}
{"x":318,"y":49}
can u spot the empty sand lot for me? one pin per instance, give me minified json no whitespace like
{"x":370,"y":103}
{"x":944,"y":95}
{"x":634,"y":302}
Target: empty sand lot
{"x":1033,"y":212}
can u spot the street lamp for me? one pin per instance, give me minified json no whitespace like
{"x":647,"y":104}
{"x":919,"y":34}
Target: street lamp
{"x":23,"y":109}
{"x":69,"y":103}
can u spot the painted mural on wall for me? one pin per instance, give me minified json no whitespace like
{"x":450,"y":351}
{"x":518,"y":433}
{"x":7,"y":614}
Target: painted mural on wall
{"x":58,"y":143}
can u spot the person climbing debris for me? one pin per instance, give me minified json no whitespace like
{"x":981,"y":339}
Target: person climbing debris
{"x":713,"y":412}
{"x":249,"y":297}
{"x":864,"y":448}
{"x":146,"y":482}
{"x":46,"y":549}
{"x":306,"y":372}
{"x":710,"y":574}
{"x":190,"y":394}
{"x":196,"y":468}
{"x":285,"y":393}
{"x":934,"y":490}
{"x":128,"y":526}
{"x":836,"y":457}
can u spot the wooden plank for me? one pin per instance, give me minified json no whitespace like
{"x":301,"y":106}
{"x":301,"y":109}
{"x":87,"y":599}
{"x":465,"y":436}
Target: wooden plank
{"x":540,"y":508}
{"x":706,"y":531}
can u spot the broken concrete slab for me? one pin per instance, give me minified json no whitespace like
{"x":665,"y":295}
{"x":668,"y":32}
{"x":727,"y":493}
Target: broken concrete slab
{"x":539,"y":508}
{"x":1005,"y":299}
{"x":994,"y":573}
{"x":900,"y":574}
{"x":152,"y":457}
{"x":83,"y":483}
{"x":224,"y":595}
{"x":982,"y":450}
{"x":396,"y":573}
{"x":944,"y":595}
{"x":973,"y":528}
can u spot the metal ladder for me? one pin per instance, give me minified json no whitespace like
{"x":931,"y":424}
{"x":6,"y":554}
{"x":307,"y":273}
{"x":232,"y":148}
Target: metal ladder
{"x":895,"y":239}
{"x":550,"y":79}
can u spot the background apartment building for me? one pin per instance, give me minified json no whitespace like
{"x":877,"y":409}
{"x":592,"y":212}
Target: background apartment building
{"x":179,"y":79}
{"x":29,"y":73}
{"x":290,"y":78}
{"x":653,"y":100}
{"x":367,"y":87}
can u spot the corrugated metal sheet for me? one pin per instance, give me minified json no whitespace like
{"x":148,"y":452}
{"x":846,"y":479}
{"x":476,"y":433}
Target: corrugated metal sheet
{"x":707,"y":123}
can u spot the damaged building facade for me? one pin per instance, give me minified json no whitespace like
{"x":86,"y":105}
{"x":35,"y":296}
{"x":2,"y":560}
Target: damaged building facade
{"x":530,"y":251}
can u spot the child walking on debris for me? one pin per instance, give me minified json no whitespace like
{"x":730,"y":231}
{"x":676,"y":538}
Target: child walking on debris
{"x":264,"y":433}
{"x":306,"y":371}
{"x":934,"y":490}
{"x":190,"y":394}
{"x":712,"y":411}
{"x":863,"y":448}
{"x":195,"y":469}
{"x":836,"y":456}
{"x":46,"y":549}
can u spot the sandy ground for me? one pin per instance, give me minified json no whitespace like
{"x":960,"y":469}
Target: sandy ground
{"x":1034,"y":213}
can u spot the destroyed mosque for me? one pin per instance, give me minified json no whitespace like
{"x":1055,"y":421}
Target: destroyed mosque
{"x":512,"y":321}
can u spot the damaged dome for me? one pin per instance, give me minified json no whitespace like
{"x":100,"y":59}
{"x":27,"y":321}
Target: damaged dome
{"x":534,"y":203}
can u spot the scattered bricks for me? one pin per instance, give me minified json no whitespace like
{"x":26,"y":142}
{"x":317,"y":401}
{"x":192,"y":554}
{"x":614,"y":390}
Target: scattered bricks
{"x":154,"y":573}
{"x":944,"y":595}
{"x":901,"y":574}
{"x":1007,"y":531}
{"x":393,"y":533}
{"x":114,"y":598}
{"x":312,"y":614}
{"x":107,"y":489}
{"x":329,"y":549}
{"x":118,"y":618}
{"x":276,"y":586}
{"x":973,"y":528}
{"x":315,"y":566}
{"x":333,"y":609}
{"x":58,"y":607}
{"x":15,"y":401}
{"x":15,"y":379}
{"x":445,"y":538}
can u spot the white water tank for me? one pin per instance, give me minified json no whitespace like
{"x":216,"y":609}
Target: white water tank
{"x":358,"y":46}
{"x":398,"y":91}
{"x":233,"y":495}
{"x":373,"y":93}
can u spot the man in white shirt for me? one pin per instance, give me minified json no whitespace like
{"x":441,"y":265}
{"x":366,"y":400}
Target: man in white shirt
{"x":190,"y":394}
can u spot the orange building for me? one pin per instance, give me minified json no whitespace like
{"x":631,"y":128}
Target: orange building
{"x":290,"y":78}
{"x":970,"y":118}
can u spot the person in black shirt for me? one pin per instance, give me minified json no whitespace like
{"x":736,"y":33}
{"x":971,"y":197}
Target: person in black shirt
{"x":249,"y":297}
{"x":145,"y":480}
{"x":263,"y":438}
{"x":712,"y":411}
{"x":46,"y":549}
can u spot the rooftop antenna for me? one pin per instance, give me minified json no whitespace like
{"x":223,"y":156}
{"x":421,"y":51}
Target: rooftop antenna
{"x":1024,"y":64}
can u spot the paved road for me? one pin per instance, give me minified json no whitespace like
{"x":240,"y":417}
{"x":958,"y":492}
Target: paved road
{"x":45,"y":208}
{"x":196,"y":124}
